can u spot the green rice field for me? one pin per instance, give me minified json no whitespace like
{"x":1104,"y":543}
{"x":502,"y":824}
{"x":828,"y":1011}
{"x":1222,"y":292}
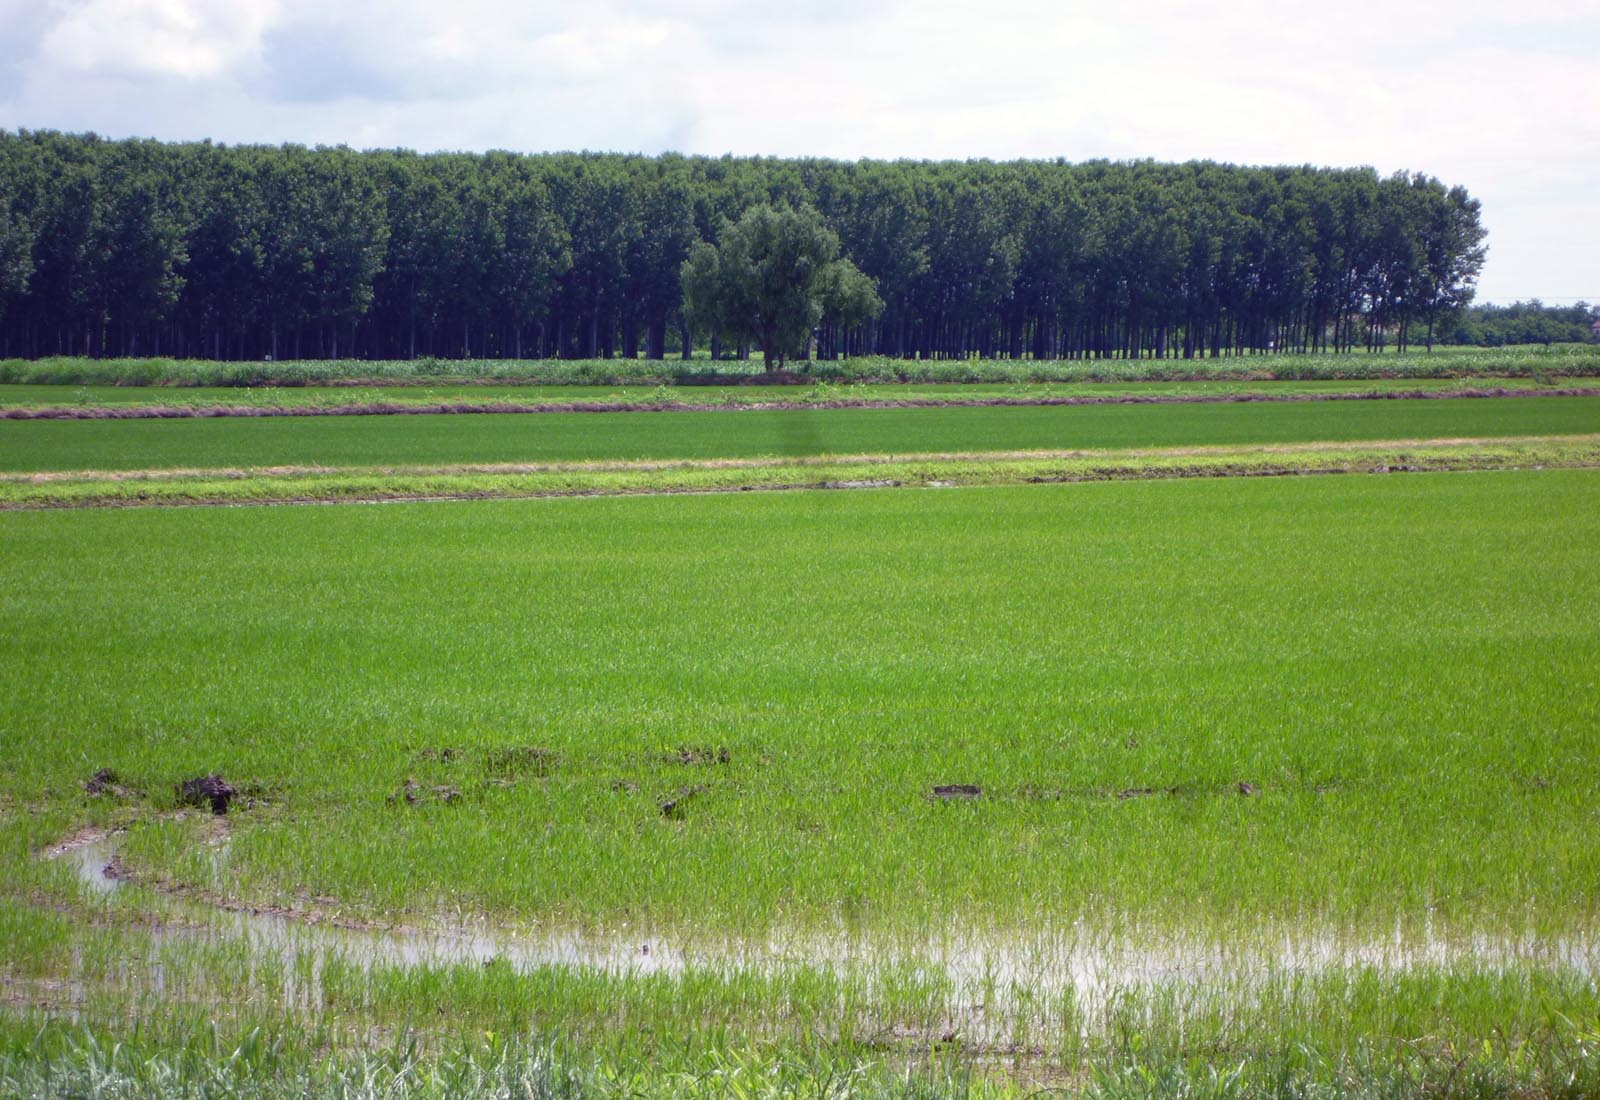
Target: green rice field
{"x":508,"y":438}
{"x":849,"y":655}
{"x":1202,"y":786}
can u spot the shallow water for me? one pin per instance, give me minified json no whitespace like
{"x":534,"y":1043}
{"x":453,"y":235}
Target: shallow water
{"x":984,"y":981}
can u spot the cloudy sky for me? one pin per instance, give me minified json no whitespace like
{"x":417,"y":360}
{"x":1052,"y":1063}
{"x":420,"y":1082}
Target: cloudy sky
{"x":1501,"y":97}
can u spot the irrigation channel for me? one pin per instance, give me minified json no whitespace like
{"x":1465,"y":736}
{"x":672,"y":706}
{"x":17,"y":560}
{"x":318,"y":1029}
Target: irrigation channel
{"x":992,"y":986}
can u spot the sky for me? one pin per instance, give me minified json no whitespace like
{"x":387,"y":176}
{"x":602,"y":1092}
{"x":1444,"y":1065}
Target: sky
{"x":1502,"y":98}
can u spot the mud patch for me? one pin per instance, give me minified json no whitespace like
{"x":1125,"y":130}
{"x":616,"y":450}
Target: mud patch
{"x":690,"y":756}
{"x":948,"y":792}
{"x":210,"y":790}
{"x":106,"y":782}
{"x":673,"y":807}
{"x":412,"y":793}
{"x":1129,"y":793}
{"x":871,"y":483}
{"x":82,"y":839}
{"x":519,"y":761}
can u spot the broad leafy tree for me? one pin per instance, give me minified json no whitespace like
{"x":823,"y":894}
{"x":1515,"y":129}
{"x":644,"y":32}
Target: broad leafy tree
{"x":771,"y":279}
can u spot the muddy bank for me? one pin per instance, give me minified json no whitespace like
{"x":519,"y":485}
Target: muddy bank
{"x":450,"y":408}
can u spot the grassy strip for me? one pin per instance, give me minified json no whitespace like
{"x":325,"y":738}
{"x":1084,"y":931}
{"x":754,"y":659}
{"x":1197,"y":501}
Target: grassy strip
{"x":1533,"y":362}
{"x":942,"y":471}
{"x":813,"y":400}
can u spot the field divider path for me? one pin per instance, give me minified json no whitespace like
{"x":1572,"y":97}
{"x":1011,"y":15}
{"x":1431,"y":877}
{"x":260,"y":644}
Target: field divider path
{"x":375,"y":484}
{"x":408,"y":408}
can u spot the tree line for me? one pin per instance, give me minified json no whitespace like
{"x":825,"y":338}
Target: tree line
{"x":119,"y":248}
{"x":1531,"y":322}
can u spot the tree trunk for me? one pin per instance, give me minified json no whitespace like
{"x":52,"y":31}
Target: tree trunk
{"x":630,"y":338}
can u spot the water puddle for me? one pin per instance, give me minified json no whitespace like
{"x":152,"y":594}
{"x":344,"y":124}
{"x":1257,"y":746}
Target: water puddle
{"x":92,"y":861}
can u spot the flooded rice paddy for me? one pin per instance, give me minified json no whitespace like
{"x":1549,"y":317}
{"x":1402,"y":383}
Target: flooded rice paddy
{"x":983,"y":982}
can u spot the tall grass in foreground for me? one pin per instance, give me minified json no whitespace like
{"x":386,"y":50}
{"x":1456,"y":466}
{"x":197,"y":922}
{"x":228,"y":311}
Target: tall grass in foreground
{"x":1555,"y":362}
{"x":259,"y":1065}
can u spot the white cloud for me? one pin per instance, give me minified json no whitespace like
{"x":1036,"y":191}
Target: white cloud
{"x":188,"y":39}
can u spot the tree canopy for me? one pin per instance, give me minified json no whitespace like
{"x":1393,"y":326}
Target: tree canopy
{"x":771,"y":279}
{"x":139,"y":247}
{"x":1531,"y":322}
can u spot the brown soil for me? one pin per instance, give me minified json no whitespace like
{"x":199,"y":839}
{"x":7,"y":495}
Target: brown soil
{"x":520,"y":760}
{"x":80,"y":839}
{"x":673,"y":807}
{"x":692,"y":755}
{"x":105,"y":782}
{"x":1144,"y":792}
{"x":412,"y":793}
{"x":212,"y":789}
